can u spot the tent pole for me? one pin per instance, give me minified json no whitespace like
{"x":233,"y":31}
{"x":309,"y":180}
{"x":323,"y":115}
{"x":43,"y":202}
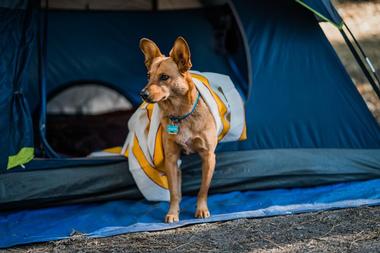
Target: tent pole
{"x":42,"y":64}
{"x":372,"y":81}
{"x":364,"y":55}
{"x":154,"y":5}
{"x":247,"y":50}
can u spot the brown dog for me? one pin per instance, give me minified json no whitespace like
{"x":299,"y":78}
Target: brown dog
{"x":171,"y":86}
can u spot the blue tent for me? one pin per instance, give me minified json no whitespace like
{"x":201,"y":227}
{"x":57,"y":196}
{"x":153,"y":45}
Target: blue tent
{"x":307,"y":124}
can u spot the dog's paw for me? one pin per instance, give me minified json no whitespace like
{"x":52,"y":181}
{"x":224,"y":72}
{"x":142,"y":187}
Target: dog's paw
{"x":202,"y":213}
{"x":170,"y":218}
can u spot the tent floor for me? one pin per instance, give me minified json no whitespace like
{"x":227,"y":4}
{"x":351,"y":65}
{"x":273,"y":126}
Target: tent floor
{"x":63,"y":181}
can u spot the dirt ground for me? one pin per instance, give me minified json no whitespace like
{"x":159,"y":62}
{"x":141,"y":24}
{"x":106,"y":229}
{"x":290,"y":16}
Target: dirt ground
{"x":350,"y":230}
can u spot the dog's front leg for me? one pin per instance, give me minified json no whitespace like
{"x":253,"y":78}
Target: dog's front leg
{"x":208,"y":166}
{"x":171,"y":158}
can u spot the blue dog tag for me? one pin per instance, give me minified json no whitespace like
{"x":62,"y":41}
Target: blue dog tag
{"x":172,"y":129}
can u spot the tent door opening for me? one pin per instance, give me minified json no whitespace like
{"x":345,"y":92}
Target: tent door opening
{"x":85,"y":118}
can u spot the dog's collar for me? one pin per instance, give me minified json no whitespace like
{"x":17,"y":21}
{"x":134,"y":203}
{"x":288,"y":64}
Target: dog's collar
{"x":177,"y":119}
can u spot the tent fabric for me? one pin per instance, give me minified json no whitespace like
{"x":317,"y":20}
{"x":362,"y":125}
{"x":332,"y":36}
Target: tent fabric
{"x":14,"y":4}
{"x":49,"y":181}
{"x":312,"y":103}
{"x":124,"y":5}
{"x":324,"y":10}
{"x":103,"y":46}
{"x":322,"y":7}
{"x":301,"y":95}
{"x":16,"y":40}
{"x":76,"y":52}
{"x":117,"y":217}
{"x":109,"y":178}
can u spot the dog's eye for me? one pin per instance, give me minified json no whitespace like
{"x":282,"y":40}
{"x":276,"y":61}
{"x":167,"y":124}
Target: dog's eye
{"x":164,"y":77}
{"x":148,"y":76}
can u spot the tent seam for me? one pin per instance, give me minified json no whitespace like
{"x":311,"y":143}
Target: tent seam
{"x":339,"y":26}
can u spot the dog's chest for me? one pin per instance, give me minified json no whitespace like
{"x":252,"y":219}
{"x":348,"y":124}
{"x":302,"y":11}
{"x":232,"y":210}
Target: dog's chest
{"x":185,"y":140}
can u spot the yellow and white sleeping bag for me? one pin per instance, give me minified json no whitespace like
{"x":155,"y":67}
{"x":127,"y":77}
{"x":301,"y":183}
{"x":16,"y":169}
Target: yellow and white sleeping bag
{"x":143,"y":146}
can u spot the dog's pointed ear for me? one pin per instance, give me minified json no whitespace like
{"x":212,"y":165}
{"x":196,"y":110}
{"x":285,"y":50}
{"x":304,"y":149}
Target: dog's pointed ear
{"x":181,"y":54}
{"x":150,"y":51}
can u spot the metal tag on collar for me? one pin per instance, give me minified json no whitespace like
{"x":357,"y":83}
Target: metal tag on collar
{"x":172,"y":128}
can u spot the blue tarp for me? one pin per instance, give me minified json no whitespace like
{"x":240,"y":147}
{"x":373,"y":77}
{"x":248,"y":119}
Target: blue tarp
{"x":117,"y":217}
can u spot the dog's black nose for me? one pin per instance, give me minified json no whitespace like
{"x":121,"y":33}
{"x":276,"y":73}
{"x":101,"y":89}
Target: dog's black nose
{"x":144,"y":94}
